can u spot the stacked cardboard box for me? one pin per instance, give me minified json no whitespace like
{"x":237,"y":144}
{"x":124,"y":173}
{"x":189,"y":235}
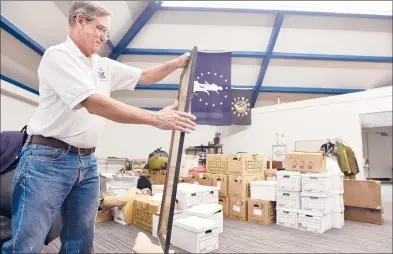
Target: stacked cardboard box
{"x":308,"y":197}
{"x":363,"y":202}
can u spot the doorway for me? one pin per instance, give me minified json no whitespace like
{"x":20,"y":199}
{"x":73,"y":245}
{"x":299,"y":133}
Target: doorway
{"x":377,"y":145}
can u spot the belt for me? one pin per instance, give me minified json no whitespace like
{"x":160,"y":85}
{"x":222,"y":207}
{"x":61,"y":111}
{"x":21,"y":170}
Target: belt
{"x":60,"y":144}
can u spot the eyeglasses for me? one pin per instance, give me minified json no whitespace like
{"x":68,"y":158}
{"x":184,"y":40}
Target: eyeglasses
{"x":103,"y":31}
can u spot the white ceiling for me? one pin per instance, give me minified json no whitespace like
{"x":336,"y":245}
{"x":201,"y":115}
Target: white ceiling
{"x":379,"y":119}
{"x":213,"y":30}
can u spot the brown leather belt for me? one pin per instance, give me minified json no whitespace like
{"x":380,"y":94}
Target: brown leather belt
{"x":36,"y":139}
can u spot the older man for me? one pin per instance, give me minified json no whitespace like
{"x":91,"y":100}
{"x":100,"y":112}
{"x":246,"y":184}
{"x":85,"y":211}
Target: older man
{"x":57,"y":168}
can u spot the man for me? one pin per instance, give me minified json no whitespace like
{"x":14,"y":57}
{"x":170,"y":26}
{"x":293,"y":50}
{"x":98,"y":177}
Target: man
{"x":57,"y":168}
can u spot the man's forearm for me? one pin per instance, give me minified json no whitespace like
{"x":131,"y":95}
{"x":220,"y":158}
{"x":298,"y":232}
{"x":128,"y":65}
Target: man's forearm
{"x":118,"y":112}
{"x":157,"y":73}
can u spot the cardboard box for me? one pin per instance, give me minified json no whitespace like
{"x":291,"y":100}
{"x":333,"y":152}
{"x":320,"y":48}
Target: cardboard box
{"x":305,"y":162}
{"x":287,"y":218}
{"x":245,"y":164}
{"x":318,"y":203}
{"x":314,"y":222}
{"x":195,"y":235}
{"x":144,"y":210}
{"x":155,"y":176}
{"x":217,"y":163}
{"x":318,"y":183}
{"x":239,"y":186}
{"x":288,"y":200}
{"x":193,"y":179}
{"x":221,"y":182}
{"x":263,"y":190}
{"x":362,"y":193}
{"x":338,"y":203}
{"x":204,"y":179}
{"x":238,"y":208}
{"x":367,"y":215}
{"x":270,"y":174}
{"x":177,"y":214}
{"x":289,"y":181}
{"x":338,"y":183}
{"x":162,"y":177}
{"x":183,"y":179}
{"x":188,"y":195}
{"x":104,"y":216}
{"x":224,"y":201}
{"x":273,"y":164}
{"x":338,"y":219}
{"x":261,"y":212}
{"x":145,"y":172}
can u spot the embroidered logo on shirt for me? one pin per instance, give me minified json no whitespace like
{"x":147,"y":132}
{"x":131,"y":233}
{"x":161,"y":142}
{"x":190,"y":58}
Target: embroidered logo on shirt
{"x":101,"y":74}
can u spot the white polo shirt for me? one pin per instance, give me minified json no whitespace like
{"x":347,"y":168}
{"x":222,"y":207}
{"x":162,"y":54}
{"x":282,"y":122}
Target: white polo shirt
{"x":66,"y":78}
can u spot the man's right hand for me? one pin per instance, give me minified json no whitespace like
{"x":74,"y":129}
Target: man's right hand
{"x":169,"y":119}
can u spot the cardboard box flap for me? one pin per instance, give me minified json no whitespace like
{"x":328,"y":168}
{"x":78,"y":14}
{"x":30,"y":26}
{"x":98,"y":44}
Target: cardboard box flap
{"x":204,"y":210}
{"x":195,"y":224}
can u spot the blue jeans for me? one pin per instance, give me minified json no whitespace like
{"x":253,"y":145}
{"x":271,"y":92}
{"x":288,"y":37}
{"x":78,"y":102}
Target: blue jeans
{"x":48,"y":180}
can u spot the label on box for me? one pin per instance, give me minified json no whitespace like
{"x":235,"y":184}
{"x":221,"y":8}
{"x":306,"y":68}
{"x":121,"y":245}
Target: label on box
{"x":258,"y":212}
{"x":236,"y":208}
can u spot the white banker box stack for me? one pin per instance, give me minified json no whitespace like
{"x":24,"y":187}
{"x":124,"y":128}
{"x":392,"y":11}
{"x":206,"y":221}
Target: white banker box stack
{"x":198,"y":220}
{"x":310,"y":201}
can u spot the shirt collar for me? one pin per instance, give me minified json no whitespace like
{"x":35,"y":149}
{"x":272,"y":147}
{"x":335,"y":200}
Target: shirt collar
{"x":72,"y":46}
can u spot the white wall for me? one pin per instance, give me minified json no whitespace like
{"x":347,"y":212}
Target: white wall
{"x":17,"y":107}
{"x":329,"y":117}
{"x":378,"y":149}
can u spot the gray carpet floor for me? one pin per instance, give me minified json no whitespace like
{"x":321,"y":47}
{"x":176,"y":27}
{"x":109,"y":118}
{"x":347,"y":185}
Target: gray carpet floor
{"x":244,"y":237}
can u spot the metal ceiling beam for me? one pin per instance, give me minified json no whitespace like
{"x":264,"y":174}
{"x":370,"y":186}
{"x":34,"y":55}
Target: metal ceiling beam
{"x":21,"y":36}
{"x":263,"y":89}
{"x":275,"y":55}
{"x":277,"y":12}
{"x":178,"y":52}
{"x":265,"y":63}
{"x":139,"y":23}
{"x":18,"y":84}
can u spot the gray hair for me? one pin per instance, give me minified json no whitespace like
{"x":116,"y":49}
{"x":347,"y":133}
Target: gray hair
{"x":89,"y":9}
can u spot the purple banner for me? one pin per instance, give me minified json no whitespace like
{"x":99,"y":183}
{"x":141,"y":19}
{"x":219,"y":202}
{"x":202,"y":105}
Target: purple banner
{"x":211,"y":99}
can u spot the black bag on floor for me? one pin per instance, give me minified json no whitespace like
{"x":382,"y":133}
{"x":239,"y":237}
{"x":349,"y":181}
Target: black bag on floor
{"x":144,"y":182}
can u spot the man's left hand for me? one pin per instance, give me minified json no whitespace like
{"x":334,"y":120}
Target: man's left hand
{"x":182,"y":60}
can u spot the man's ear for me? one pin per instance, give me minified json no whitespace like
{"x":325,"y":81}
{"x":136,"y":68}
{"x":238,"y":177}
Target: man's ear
{"x":79,"y":19}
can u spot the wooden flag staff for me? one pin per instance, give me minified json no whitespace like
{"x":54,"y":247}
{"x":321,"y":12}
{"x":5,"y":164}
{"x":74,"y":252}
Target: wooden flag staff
{"x":175,"y":154}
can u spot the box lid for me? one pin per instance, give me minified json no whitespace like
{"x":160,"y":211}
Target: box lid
{"x":286,"y":172}
{"x":195,"y":224}
{"x":204,"y":210}
{"x":320,"y":175}
{"x":203,"y":188}
{"x":319,"y":195}
{"x":264,"y":183}
{"x":288,"y":210}
{"x":309,"y":213}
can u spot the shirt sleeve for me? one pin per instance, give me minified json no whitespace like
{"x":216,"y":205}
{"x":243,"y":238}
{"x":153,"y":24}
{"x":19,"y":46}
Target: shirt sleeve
{"x":124,"y":77}
{"x":69,"y":79}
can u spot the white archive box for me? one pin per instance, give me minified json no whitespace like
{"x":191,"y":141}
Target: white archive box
{"x":209,"y":194}
{"x":195,"y":235}
{"x":188,"y":196}
{"x":317,"y":183}
{"x":338,"y":219}
{"x":289,"y":180}
{"x":263,"y":190}
{"x":177,"y":214}
{"x":319,"y":203}
{"x":288,"y":200}
{"x":338,"y":183}
{"x":212,"y":212}
{"x":338,"y":203}
{"x":157,"y":188}
{"x":287,"y":217}
{"x":314,"y":221}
